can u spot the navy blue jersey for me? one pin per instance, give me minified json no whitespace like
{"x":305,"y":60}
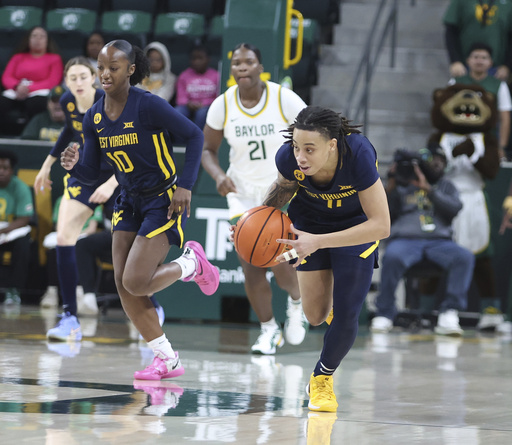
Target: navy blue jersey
{"x":336,"y":206}
{"x":138,"y":143}
{"x":72,"y":131}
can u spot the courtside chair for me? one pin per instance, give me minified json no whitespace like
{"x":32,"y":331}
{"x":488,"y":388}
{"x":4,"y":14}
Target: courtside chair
{"x":133,"y":26}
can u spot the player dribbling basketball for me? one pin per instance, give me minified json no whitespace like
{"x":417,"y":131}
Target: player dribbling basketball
{"x":339,"y":212}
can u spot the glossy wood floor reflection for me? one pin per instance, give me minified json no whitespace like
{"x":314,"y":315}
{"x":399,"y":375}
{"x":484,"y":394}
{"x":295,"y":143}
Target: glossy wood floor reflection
{"x":397,"y":388}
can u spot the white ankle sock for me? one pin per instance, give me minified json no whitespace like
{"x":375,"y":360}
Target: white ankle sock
{"x":271,"y":324}
{"x":162,"y":348}
{"x":187,"y":264}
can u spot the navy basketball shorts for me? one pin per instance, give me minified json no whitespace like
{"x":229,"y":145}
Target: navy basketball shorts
{"x":333,"y":257}
{"x":147,"y":216}
{"x":74,"y":189}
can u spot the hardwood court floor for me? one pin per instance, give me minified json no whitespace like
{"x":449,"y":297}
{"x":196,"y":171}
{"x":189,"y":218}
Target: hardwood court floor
{"x":396,"y":389}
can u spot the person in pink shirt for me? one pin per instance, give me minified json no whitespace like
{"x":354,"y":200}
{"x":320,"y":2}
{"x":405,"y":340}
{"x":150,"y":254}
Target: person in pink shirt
{"x":197,"y":87}
{"x":33,"y":70}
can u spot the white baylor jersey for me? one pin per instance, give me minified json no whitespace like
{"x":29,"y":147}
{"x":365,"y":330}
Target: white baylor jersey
{"x":254,"y":135}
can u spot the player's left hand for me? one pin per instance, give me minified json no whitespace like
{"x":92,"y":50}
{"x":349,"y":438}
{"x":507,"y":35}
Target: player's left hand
{"x":180,"y":202}
{"x":303,"y":246}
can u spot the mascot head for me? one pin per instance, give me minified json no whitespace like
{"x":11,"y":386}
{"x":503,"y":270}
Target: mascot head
{"x":463,"y":109}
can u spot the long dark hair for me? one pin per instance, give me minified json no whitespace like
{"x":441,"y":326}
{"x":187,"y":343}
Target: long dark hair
{"x":135,"y":56}
{"x":24,"y":47}
{"x":326,"y":122}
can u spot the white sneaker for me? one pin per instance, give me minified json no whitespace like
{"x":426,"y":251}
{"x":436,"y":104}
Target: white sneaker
{"x":505,"y":327}
{"x":50,"y":299}
{"x":490,"y":321}
{"x":86,"y":304}
{"x":448,"y":324}
{"x":267,"y":341}
{"x":381,"y":325}
{"x":296,"y":325}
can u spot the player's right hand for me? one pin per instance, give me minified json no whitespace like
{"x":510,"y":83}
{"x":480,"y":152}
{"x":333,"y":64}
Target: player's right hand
{"x":69,"y":157}
{"x":42,"y":181}
{"x":225,"y":185}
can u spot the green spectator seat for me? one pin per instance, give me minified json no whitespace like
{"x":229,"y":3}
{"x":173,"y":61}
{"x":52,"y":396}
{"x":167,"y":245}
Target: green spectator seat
{"x":15,"y":21}
{"x":41,"y":4}
{"x":20,"y":17}
{"x":69,"y":27}
{"x":203,"y":7}
{"x":93,"y":5}
{"x":133,"y":26}
{"x":151,"y":6}
{"x":179,"y":32}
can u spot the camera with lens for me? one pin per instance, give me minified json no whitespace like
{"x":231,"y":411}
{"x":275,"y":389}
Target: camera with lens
{"x":405,"y":161}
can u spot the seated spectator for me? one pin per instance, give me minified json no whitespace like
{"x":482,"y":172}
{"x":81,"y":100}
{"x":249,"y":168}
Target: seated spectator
{"x":50,"y":299}
{"x":479,"y":62}
{"x":47,"y":125}
{"x":422,"y":206}
{"x":487,"y":21}
{"x":197,"y":87}
{"x":30,"y":74}
{"x":161,"y":80}
{"x":16,"y":210}
{"x":92,"y":48}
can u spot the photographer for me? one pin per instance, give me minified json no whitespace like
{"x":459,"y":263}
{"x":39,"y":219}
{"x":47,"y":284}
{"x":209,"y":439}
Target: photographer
{"x":422,"y":206}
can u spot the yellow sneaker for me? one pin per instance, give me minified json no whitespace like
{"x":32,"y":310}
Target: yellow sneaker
{"x":321,"y":394}
{"x":319,"y":428}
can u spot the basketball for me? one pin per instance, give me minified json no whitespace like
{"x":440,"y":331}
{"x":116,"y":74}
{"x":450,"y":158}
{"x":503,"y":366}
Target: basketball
{"x":256,"y":233}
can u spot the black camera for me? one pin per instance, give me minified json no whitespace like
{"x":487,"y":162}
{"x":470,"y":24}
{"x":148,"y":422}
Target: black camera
{"x":405,"y":161}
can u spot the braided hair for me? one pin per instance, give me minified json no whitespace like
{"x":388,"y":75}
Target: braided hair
{"x":328,"y":123}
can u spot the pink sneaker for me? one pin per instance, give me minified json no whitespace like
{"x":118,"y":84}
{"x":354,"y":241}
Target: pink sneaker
{"x":158,"y":370}
{"x":206,"y":275}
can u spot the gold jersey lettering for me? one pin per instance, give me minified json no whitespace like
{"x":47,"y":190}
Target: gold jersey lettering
{"x":332,"y":196}
{"x":123,"y":139}
{"x":313,"y":195}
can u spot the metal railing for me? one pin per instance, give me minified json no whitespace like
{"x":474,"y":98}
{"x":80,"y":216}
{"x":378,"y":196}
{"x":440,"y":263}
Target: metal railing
{"x":359,"y":93}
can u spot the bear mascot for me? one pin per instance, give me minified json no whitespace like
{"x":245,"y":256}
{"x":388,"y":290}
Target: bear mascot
{"x":465,"y":117}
